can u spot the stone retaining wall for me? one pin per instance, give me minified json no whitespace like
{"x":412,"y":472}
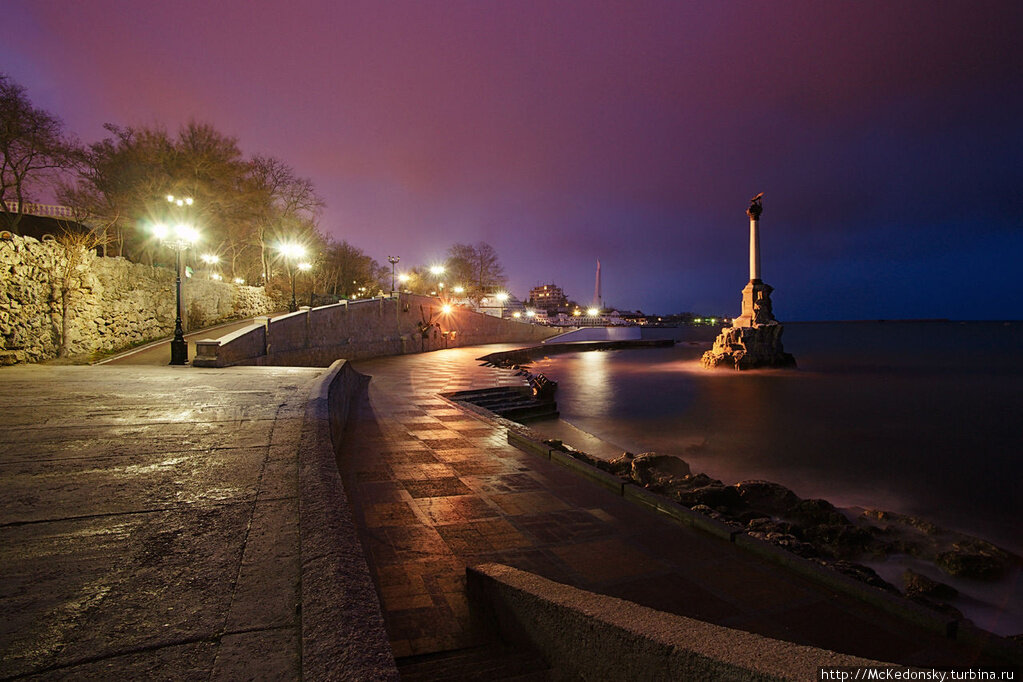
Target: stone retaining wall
{"x":116,"y":303}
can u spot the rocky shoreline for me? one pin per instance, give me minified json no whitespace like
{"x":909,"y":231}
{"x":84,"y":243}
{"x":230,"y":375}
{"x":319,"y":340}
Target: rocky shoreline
{"x":816,"y":530}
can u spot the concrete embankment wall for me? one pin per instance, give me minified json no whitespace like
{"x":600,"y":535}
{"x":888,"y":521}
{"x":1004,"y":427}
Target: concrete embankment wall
{"x":371,"y":328}
{"x":113,"y":302}
{"x":343,"y":635}
{"x":587,"y":636}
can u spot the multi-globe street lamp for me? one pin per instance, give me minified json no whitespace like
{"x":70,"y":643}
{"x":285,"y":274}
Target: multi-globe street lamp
{"x":212,"y":259}
{"x":292,"y":252}
{"x":178,"y":237}
{"x":393,"y":260}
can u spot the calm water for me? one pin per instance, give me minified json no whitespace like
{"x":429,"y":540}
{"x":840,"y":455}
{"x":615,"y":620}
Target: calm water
{"x":920,"y":418}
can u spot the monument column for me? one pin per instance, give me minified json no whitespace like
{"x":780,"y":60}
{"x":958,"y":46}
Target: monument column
{"x":754,"y":339}
{"x":754,"y":239}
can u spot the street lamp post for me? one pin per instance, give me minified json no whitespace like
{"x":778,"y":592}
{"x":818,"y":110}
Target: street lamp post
{"x":179,"y":238}
{"x":306,"y":267}
{"x":393,"y":260}
{"x":292,"y":252}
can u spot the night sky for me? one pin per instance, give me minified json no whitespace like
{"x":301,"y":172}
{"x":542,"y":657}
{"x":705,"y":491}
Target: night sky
{"x":887,"y":136}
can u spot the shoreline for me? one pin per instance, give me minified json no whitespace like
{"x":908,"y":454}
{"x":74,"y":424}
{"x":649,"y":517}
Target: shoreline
{"x":974,"y":599}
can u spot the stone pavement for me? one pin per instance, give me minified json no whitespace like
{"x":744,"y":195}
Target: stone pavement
{"x":149,"y":522}
{"x":435,"y":489}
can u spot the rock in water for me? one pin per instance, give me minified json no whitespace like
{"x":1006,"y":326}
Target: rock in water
{"x":917,"y":584}
{"x":652,"y":469}
{"x":765,"y":496}
{"x":754,"y":339}
{"x":749,"y":348}
{"x":974,"y":559}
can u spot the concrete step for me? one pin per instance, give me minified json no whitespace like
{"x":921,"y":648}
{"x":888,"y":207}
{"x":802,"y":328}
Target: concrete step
{"x":489,"y":662}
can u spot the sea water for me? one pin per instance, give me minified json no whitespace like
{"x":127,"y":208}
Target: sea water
{"x":922,"y":418}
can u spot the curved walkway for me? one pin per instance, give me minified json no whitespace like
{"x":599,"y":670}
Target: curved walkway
{"x":158,"y":352}
{"x":435,"y":489}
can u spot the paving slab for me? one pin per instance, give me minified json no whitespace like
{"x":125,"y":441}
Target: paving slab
{"x":149,"y":522}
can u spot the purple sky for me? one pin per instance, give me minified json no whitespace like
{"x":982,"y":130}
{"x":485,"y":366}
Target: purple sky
{"x":888,"y":136}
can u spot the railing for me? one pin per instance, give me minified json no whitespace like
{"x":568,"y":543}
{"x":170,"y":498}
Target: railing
{"x":48,"y":210}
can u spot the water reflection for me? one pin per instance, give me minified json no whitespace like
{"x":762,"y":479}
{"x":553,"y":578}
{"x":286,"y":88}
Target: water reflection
{"x":936,"y":443}
{"x":593,"y":373}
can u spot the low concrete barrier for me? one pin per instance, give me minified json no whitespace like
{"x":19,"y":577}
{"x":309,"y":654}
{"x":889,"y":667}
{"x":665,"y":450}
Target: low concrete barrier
{"x":680,"y":513}
{"x":601,"y":478}
{"x":234,"y":348}
{"x":343,"y":636}
{"x":894,"y":604}
{"x":315,"y":337}
{"x":583,"y":635}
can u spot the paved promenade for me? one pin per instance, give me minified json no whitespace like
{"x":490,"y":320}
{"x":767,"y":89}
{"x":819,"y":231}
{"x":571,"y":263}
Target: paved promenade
{"x":150,"y":523}
{"x":172,"y":523}
{"x":435,"y":489}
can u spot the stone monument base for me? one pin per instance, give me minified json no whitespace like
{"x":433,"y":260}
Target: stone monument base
{"x":749,"y":348}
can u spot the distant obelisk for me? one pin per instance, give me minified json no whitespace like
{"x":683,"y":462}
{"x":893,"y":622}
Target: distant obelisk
{"x":598,"y":303}
{"x":754,"y":339}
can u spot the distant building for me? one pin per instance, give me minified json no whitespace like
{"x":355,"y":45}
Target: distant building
{"x":501,"y":305}
{"x":547,"y":297}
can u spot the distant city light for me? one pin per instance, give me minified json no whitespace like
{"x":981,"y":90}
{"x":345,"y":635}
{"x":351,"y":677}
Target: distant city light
{"x":404,"y":277}
{"x":446,"y":308}
{"x":305,"y":267}
{"x":516,"y":314}
{"x":217,"y":276}
{"x":577,"y":312}
{"x":239,"y":280}
{"x":592,"y":312}
{"x":459,"y":289}
{"x":530,"y":313}
{"x":210,"y":258}
{"x":437,"y":270}
{"x":502,"y":297}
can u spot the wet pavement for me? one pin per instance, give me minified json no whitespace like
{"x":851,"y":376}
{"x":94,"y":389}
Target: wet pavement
{"x":149,"y":522}
{"x":435,"y":489}
{"x":152,"y":525}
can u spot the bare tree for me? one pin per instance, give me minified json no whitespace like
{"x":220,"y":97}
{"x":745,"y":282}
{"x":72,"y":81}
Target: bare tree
{"x":33,"y":148}
{"x":475,"y":267}
{"x":284,"y":206}
{"x":347,"y":272}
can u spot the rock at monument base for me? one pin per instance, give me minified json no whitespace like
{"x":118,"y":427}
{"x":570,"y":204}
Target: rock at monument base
{"x":748,"y":348}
